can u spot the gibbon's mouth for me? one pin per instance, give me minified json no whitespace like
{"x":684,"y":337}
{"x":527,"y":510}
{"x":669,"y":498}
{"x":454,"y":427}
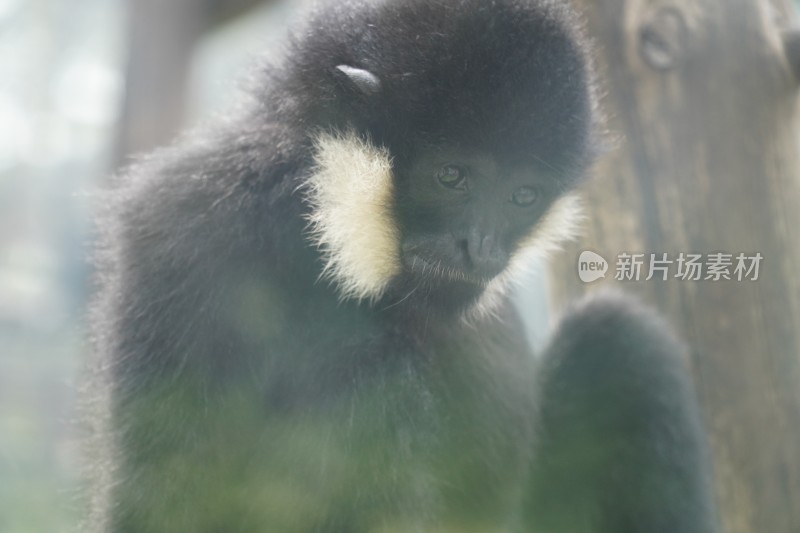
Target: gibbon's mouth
{"x":421,"y":266}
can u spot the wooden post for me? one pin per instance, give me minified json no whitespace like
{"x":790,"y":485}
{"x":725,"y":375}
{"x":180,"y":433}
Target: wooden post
{"x":703,"y":94}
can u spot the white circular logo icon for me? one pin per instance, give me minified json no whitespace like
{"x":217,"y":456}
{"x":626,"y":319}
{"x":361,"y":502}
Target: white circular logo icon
{"x":591,"y":267}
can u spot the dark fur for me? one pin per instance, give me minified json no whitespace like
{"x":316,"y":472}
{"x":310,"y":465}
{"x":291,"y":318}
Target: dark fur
{"x":621,"y":447}
{"x":246,"y":397}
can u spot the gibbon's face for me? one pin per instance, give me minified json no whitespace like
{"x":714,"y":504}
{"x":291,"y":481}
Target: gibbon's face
{"x":451,"y":137}
{"x":444,"y":227}
{"x":462,"y":214}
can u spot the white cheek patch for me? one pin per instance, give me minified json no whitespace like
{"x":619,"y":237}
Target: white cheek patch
{"x":350,"y":191}
{"x":558,"y":225}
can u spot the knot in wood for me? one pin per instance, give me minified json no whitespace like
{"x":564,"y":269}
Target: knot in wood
{"x":662,"y":38}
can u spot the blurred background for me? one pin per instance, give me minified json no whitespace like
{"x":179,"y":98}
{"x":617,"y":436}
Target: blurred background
{"x":70,"y":113}
{"x":83,"y":85}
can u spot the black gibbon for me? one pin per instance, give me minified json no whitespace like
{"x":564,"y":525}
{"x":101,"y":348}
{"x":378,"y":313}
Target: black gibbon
{"x":303,"y":317}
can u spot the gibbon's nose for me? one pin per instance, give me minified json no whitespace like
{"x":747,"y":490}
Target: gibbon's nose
{"x":484,"y":255}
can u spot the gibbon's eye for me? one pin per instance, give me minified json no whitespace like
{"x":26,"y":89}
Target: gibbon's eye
{"x":525,"y":196}
{"x":452,"y":177}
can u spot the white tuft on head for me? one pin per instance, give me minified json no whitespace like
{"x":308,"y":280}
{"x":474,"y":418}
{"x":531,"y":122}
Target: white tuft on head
{"x":560,"y":224}
{"x":350,"y":191}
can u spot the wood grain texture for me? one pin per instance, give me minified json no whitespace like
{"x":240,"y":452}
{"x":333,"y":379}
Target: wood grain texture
{"x":704,"y":102}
